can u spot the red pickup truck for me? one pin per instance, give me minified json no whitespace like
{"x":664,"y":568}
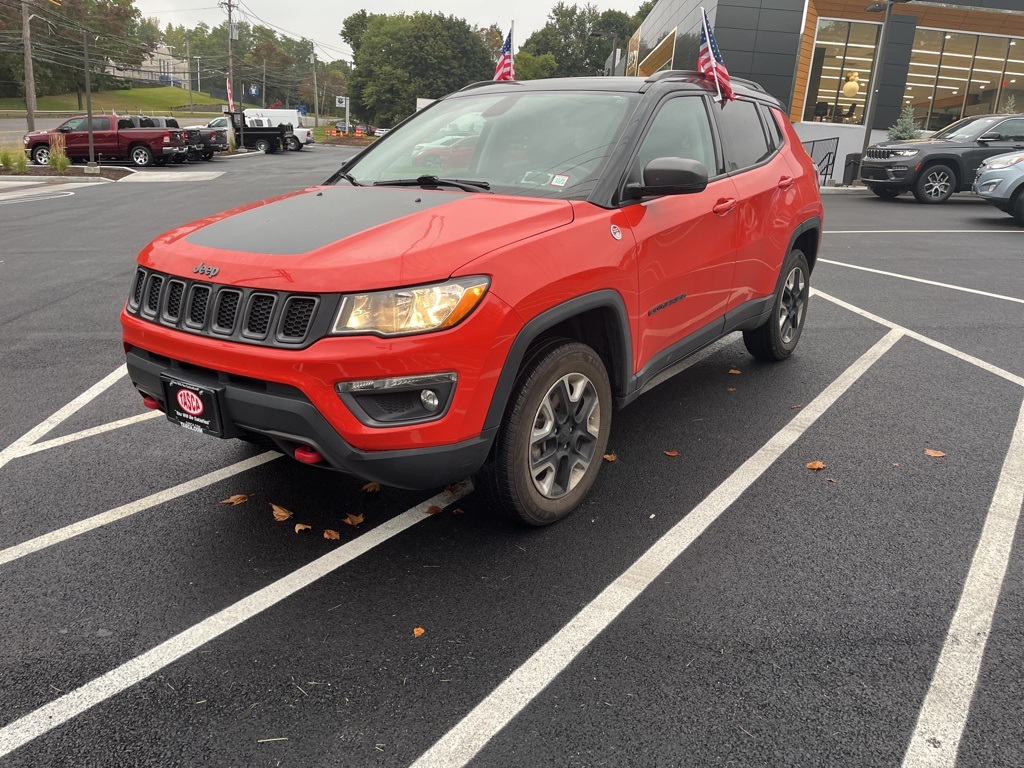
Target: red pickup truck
{"x":113,"y":139}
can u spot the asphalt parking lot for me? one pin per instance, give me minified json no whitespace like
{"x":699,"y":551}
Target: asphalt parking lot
{"x":726,"y":606}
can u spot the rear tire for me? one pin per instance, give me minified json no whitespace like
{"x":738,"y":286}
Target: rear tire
{"x":935,"y":184}
{"x":141,"y":156}
{"x":207,"y":155}
{"x":777,"y":338}
{"x":553,"y":435}
{"x":294,"y":144}
{"x":262,"y":145}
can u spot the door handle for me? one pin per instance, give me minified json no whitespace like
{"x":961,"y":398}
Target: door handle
{"x":724,"y":205}
{"x":786,"y":182}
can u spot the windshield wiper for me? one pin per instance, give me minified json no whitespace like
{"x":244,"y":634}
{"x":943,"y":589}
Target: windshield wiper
{"x":349,"y":178}
{"x":465,"y":185}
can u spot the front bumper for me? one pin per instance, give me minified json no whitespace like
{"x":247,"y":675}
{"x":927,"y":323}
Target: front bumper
{"x":998,"y":187}
{"x":285,"y":416}
{"x":888,"y":174}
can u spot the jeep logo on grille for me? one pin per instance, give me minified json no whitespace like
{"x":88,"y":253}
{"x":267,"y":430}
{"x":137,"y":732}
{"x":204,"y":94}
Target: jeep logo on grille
{"x":202,"y":269}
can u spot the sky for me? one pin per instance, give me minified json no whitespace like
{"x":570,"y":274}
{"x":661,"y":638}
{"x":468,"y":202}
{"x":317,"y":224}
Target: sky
{"x":320,"y":20}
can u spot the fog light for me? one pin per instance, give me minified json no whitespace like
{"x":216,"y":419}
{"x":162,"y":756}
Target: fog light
{"x":429,"y":399}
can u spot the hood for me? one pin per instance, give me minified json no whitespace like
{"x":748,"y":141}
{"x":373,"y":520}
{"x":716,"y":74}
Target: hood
{"x":37,"y":134}
{"x":917,"y":144}
{"x":341,"y":239}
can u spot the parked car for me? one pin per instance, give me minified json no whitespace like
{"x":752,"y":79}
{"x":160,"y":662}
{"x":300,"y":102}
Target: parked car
{"x":342,"y":127}
{"x":454,"y":154}
{"x":444,"y":141}
{"x":381,"y":131}
{"x":114,"y":138}
{"x":301,"y":134}
{"x":417,"y":329}
{"x":256,"y":136}
{"x":1000,"y":182}
{"x":946,"y":162}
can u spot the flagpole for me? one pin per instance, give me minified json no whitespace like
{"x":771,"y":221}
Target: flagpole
{"x":711,"y":53}
{"x":512,"y":44}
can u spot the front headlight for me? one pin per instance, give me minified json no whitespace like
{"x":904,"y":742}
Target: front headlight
{"x":904,"y":152}
{"x":410,"y":310}
{"x":1003,"y":162}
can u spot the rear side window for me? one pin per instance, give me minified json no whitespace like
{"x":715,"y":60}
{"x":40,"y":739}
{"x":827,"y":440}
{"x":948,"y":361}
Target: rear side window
{"x":772,"y":117}
{"x":680,"y":129}
{"x":1010,"y":130}
{"x":170,"y":124}
{"x":742,"y":134}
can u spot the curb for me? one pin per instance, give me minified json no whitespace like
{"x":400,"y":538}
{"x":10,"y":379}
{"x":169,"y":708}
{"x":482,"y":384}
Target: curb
{"x":843,"y":190}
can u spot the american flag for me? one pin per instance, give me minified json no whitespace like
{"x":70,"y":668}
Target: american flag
{"x":505,"y":69}
{"x":709,"y":60}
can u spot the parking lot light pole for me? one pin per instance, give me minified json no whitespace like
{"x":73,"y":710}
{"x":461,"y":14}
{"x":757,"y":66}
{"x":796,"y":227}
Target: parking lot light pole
{"x":91,"y":167}
{"x":615,"y":46}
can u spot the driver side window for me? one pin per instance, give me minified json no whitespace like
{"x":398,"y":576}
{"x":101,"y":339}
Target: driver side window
{"x":680,"y":129}
{"x":1010,"y":130}
{"x":78,"y":124}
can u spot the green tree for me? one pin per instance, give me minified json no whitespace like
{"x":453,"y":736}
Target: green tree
{"x":905,"y":127}
{"x":530,"y":67}
{"x":566,"y":36}
{"x":643,"y":12}
{"x":402,"y":57}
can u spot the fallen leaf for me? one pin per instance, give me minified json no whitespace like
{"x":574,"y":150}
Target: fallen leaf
{"x":671,"y":454}
{"x":238,"y":498}
{"x":832,"y":480}
{"x":816,"y":465}
{"x":351,"y":519}
{"x":372,"y":488}
{"x":731,"y":389}
{"x":280,"y":513}
{"x":454,"y":487}
{"x":895,"y":463}
{"x":434,"y":509}
{"x":933,"y":453}
{"x":735,"y":371}
{"x":610,"y":457}
{"x":794,"y":407}
{"x":332,"y":535}
{"x":419,"y":632}
{"x":458,"y":511}
{"x":300,"y":527}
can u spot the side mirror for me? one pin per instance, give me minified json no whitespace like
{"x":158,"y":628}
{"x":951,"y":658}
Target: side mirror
{"x":63,"y":129}
{"x":990,"y":136}
{"x":670,"y":176}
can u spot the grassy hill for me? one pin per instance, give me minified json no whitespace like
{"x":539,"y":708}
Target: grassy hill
{"x":162,"y":100}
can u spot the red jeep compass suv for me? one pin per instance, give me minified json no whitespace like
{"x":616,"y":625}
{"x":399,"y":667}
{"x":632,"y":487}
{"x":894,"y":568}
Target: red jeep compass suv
{"x":416,"y":329}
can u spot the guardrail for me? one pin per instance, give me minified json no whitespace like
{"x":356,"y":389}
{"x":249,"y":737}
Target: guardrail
{"x":823,"y":153}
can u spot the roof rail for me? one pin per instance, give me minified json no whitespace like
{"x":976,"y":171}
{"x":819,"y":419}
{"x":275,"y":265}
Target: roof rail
{"x":666,"y":74}
{"x":482,"y":83}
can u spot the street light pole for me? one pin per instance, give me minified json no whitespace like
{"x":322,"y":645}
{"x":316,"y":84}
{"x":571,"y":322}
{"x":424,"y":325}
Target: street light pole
{"x":876,"y":76}
{"x":30,"y":78}
{"x":316,"y":93}
{"x":199,"y":73}
{"x":615,"y":46}
{"x":88,"y":102}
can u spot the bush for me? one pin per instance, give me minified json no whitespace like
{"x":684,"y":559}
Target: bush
{"x":59,"y":159}
{"x":20,"y":162}
{"x":905,"y":128}
{"x":6,"y":158}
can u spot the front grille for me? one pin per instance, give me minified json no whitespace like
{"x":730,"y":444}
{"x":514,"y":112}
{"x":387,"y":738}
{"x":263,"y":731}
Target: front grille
{"x":269,"y":318}
{"x":297,"y":314}
{"x":227,"y":307}
{"x":153,"y":294}
{"x":879,"y":154}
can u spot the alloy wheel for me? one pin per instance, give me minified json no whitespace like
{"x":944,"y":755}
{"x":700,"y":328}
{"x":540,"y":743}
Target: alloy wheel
{"x":791,"y":310}
{"x":564,"y":435}
{"x":937,"y":184}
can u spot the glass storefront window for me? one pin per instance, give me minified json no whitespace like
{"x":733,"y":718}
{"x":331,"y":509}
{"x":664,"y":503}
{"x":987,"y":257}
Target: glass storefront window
{"x":1011,"y":97}
{"x":986,"y":76}
{"x":844,"y":55}
{"x":954,"y":77}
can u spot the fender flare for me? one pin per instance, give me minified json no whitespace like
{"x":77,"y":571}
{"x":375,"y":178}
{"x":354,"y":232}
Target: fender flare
{"x":603,"y":299}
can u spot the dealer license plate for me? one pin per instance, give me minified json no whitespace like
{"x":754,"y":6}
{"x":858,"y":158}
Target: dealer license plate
{"x":193,"y":407}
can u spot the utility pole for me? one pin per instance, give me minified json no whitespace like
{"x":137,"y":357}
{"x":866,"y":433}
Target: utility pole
{"x":188,"y":68}
{"x":264,"y":91}
{"x":316,"y":93}
{"x":30,"y":78}
{"x":199,"y":73}
{"x":231,"y":78}
{"x":88,"y":103}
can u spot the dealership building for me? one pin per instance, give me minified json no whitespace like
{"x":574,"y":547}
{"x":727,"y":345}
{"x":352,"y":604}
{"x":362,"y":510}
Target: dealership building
{"x":946,"y":60}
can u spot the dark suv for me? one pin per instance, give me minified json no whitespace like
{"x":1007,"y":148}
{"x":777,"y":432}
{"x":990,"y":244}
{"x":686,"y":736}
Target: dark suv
{"x":415,"y":329}
{"x":936,"y":167}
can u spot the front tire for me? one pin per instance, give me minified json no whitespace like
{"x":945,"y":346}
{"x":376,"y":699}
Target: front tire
{"x":935,"y":184}
{"x":41,"y":155}
{"x":141,"y":156}
{"x":1017,"y":209}
{"x":553,"y":435}
{"x":777,"y":338}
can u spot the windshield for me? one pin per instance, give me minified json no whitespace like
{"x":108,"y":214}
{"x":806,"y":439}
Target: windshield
{"x":537,"y":144}
{"x":967,"y":129}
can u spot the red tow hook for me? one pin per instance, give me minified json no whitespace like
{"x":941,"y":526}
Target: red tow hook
{"x":151,"y":402}
{"x":307,"y":455}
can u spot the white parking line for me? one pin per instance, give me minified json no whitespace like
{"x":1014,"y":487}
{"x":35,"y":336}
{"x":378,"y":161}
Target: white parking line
{"x":472,"y":733}
{"x":920,"y":280}
{"x":127,"y":510}
{"x":160,"y":176}
{"x":14,"y":449}
{"x":90,"y":432}
{"x":59,"y":711}
{"x":940,"y":724}
{"x":993,"y":369}
{"x":33,"y":196}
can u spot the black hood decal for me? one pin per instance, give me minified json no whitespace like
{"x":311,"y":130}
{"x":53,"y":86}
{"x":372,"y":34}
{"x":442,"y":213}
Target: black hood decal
{"x":312,"y":220}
